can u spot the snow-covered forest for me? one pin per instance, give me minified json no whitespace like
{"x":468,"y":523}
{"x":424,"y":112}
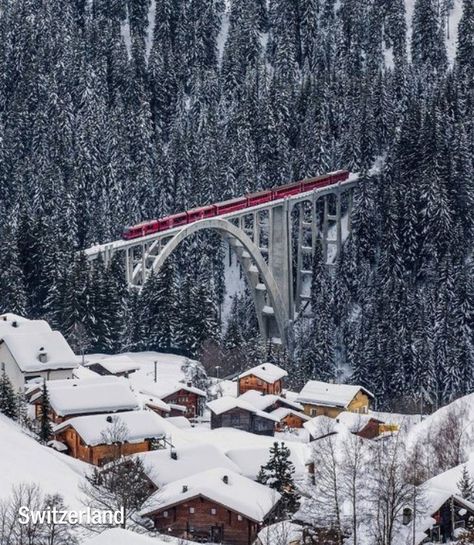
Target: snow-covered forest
{"x":121,"y":110}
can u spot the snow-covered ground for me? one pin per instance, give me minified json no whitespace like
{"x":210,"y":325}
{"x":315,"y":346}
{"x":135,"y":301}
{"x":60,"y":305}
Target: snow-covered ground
{"x":169,"y":370}
{"x":24,"y":461}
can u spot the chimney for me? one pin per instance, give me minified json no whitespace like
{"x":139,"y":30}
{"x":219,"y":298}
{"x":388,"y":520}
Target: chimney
{"x":225,"y":479}
{"x":185,"y":488}
{"x":15,"y":324}
{"x":42,"y":356}
{"x":189,"y":384}
{"x":174,"y":455}
{"x":109,"y":419}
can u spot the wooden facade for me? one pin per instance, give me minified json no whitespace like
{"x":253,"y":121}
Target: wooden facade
{"x":359,"y":404}
{"x":201,"y":519}
{"x":292,"y":421}
{"x":371,"y":429}
{"x":251,"y":382}
{"x":190,"y":400}
{"x":244,"y":420}
{"x":98,"y":454}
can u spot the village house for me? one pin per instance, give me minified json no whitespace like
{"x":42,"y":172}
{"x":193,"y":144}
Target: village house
{"x":266,"y":378}
{"x":327,"y":399}
{"x":213,"y":506}
{"x":155,"y":404}
{"x":183,"y":399}
{"x":119,"y":366}
{"x":30,"y":349}
{"x":362,"y":425}
{"x":70,"y":398}
{"x":167,"y":465}
{"x":446,"y":514}
{"x":98,"y":439}
{"x":234,"y":412}
{"x":290,"y":414}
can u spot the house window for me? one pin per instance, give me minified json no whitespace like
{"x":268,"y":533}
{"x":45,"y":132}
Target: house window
{"x":239,"y":517}
{"x":165,"y":514}
{"x":234,"y":419}
{"x":213,"y":511}
{"x":314,"y":412}
{"x":191,"y":510}
{"x":406,"y":515}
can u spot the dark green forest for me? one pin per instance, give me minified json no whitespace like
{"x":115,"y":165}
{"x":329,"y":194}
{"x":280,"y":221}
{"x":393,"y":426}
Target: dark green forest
{"x":115,"y":111}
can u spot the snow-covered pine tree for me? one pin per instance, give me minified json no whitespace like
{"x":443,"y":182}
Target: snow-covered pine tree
{"x":278,"y":473}
{"x":8,"y":405}
{"x":45,"y":428}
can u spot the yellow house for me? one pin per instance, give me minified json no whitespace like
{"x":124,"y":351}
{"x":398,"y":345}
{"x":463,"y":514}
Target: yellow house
{"x":324,"y":398}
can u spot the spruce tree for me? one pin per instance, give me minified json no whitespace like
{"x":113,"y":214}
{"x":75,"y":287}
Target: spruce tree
{"x":8,"y":404}
{"x":466,"y":485}
{"x":278,"y":473}
{"x":45,"y":430}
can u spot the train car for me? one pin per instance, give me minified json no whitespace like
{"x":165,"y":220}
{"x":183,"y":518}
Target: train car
{"x":201,"y":213}
{"x":260,"y":197}
{"x":231,"y":205}
{"x":318,"y":181}
{"x":339,"y":176}
{"x":286,"y":190}
{"x":175,"y":220}
{"x":140,"y":230}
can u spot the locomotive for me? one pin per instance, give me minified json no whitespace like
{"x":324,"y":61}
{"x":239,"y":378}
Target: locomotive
{"x":233,"y":205}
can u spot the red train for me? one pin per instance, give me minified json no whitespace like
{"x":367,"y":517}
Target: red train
{"x":233,"y":205}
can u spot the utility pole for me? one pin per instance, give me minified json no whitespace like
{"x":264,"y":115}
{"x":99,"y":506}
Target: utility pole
{"x":155,"y":363}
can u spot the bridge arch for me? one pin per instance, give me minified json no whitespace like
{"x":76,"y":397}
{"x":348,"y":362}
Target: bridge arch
{"x":251,"y":259}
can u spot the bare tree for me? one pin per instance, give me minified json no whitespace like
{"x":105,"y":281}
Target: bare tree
{"x":14,"y":530}
{"x":321,"y":507}
{"x":390,"y":492}
{"x":354,"y":477}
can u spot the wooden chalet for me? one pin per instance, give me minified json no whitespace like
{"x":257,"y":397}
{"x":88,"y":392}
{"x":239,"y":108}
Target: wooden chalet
{"x":231,"y":412}
{"x":362,"y":425}
{"x":216,"y":505}
{"x":183,"y":399}
{"x":289,"y":414}
{"x":266,"y":378}
{"x":327,"y":399}
{"x":71,"y":398}
{"x":90,"y":438}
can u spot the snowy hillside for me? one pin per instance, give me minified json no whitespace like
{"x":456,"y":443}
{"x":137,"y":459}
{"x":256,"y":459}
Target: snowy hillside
{"x":24,"y":461}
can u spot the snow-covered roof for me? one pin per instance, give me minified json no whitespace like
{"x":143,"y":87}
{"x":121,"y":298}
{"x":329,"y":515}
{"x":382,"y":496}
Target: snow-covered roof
{"x":140,"y":425}
{"x":223,"y":404}
{"x":283,"y":412}
{"x":163,"y":391}
{"x":118,"y":364}
{"x":249,"y":460}
{"x":211,"y":484}
{"x":153,"y":402}
{"x":84,"y":372}
{"x":224,"y":388}
{"x":91,"y":398}
{"x":320,"y":426}
{"x":162,"y":468}
{"x":262,"y":401}
{"x":28,"y":346}
{"x":37,"y":385}
{"x":355,"y":422}
{"x":11,"y":317}
{"x":268,"y":372}
{"x":180,"y":422}
{"x":331,"y":395}
{"x":281,"y":533}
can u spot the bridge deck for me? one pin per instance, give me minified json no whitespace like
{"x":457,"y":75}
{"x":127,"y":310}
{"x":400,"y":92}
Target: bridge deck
{"x":121,"y":244}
